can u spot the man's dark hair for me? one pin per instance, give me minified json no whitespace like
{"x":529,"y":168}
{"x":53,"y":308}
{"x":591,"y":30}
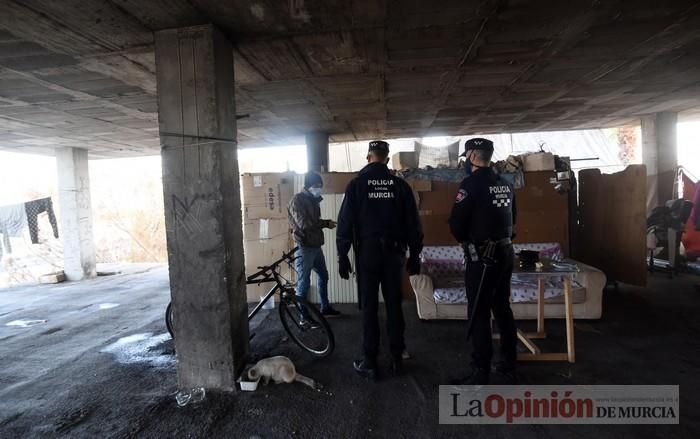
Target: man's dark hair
{"x":381,"y":155}
{"x":483,"y":155}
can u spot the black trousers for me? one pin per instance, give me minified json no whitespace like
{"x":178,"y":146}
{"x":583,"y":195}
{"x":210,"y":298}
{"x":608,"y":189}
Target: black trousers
{"x":495,"y":297}
{"x":33,"y":209}
{"x":380,"y":266}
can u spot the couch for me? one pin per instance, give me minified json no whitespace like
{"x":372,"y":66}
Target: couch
{"x":440,"y":294}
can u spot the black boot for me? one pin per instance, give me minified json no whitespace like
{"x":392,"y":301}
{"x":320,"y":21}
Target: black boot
{"x":477,"y":377}
{"x":396,"y":365}
{"x":365,"y":369}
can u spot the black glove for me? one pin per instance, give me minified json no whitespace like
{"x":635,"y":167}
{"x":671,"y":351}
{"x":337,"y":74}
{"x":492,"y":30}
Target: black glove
{"x":413,"y":265}
{"x":344,"y":268}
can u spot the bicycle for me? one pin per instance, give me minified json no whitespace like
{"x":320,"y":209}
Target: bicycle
{"x":303,"y":322}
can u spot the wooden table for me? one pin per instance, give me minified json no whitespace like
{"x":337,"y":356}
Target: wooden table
{"x":567,"y":272}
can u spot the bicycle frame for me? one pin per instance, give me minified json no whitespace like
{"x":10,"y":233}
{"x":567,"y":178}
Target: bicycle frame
{"x":269,"y":294}
{"x":269,"y":274}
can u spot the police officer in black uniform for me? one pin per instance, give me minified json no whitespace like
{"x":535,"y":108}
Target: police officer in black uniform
{"x":482,"y":220}
{"x":379,"y":218}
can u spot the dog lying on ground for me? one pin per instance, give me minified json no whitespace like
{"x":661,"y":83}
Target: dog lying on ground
{"x":280,"y":370}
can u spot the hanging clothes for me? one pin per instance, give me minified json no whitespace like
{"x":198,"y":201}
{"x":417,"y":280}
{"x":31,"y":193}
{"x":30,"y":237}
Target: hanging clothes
{"x":691,"y":237}
{"x":33,"y":209}
{"x":13,"y":220}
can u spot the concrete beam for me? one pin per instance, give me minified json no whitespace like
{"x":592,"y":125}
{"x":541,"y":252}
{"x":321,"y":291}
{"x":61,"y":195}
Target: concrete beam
{"x":194,"y":68}
{"x":75,"y":213}
{"x":660,"y":155}
{"x":317,"y":151}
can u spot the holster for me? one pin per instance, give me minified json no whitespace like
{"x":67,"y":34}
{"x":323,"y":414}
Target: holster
{"x":484,"y":252}
{"x":487,"y":253}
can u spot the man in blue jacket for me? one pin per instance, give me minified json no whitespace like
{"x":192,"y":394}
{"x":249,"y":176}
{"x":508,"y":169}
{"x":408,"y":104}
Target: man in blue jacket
{"x":305,"y":219}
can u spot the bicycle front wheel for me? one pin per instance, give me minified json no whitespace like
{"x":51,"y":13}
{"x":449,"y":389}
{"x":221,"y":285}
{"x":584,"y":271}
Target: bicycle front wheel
{"x":306,"y":326}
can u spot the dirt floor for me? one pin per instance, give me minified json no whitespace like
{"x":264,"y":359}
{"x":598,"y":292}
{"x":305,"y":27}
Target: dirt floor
{"x":109,"y":371}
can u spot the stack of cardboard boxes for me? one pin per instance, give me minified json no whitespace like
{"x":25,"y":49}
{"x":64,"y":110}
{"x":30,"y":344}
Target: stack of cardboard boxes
{"x":266,"y":232}
{"x":543,"y":213}
{"x":435,"y":200}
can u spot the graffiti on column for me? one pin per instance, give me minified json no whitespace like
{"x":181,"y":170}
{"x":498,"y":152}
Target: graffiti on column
{"x":186,"y":214}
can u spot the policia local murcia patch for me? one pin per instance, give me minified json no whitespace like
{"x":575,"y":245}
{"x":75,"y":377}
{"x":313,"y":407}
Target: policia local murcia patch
{"x":500,"y":195}
{"x":380,"y":188}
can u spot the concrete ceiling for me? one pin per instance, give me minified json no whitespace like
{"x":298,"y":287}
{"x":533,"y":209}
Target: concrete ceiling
{"x":81,"y":73}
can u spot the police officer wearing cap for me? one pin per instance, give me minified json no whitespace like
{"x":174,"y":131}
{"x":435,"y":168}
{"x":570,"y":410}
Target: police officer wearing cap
{"x":482,"y":220}
{"x":379,"y":218}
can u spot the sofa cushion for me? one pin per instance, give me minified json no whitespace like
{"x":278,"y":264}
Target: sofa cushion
{"x":524,"y":288}
{"x":456,"y":295}
{"x":442,"y":253}
{"x":452,"y":296}
{"x":443,"y":263}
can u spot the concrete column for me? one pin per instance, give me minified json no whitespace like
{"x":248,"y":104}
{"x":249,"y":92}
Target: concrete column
{"x":317,"y":151}
{"x":75,"y":213}
{"x":194,"y":71}
{"x":660,"y":155}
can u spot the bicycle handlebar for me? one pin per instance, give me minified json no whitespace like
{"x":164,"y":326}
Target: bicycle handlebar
{"x":285,"y":257}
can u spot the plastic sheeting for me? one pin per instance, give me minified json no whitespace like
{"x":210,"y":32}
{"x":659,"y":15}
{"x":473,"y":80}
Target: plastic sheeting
{"x":583,"y":144}
{"x":600,"y":145}
{"x":436,"y":156}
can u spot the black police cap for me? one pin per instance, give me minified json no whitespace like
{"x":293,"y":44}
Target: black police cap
{"x":379,"y":145}
{"x":477,"y":143}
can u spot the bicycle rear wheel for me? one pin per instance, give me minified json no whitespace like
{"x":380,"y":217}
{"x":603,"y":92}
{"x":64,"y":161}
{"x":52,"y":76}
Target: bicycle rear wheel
{"x":314,"y":335}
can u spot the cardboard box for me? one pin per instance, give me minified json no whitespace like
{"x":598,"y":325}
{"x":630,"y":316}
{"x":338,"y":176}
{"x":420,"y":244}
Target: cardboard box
{"x":267,"y":195}
{"x":404,"y":160}
{"x":539,"y":161}
{"x":421,"y":185}
{"x":266,"y":229}
{"x":436,"y":230}
{"x":543,"y":213}
{"x":264,"y":241}
{"x":336,"y":182}
{"x":440,"y":199}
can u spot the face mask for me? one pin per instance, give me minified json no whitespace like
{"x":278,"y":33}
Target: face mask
{"x":468,"y":167}
{"x":315,"y":191}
